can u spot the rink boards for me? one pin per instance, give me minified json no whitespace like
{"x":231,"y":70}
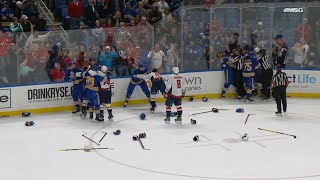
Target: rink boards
{"x":45,"y":98}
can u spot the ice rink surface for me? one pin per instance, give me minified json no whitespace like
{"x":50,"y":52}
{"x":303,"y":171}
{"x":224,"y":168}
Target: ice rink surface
{"x":31,"y":153}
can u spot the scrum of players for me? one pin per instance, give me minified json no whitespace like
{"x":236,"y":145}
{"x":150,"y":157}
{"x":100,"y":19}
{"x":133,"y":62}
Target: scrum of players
{"x":248,"y":72}
{"x":92,"y":90}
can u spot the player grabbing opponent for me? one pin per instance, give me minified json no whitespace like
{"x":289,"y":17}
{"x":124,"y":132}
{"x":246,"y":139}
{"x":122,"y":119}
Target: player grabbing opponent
{"x":250,"y":65}
{"x":105,"y":92}
{"x":227,"y":66}
{"x":77,"y":90}
{"x":157,"y":85}
{"x":142,"y":69}
{"x":174,"y":93}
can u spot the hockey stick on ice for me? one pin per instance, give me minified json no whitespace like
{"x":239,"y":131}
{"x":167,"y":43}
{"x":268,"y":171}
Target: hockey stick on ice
{"x":142,"y":144}
{"x":90,"y":140}
{"x":247,"y":118}
{"x":79,"y":149}
{"x":277,"y":132}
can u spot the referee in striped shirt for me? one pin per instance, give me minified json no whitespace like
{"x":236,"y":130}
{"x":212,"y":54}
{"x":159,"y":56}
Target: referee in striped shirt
{"x":279,"y":84}
{"x":267,"y":72}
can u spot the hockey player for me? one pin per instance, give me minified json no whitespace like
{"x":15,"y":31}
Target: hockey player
{"x":157,"y":85}
{"x":105,"y":92}
{"x":250,"y":65}
{"x":174,"y":93}
{"x":227,"y":66}
{"x":142,"y":69}
{"x":77,"y":89}
{"x":92,"y":93}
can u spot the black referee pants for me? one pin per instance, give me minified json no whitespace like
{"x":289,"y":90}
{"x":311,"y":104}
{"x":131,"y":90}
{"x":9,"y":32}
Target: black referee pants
{"x":238,"y":82}
{"x":280,"y":96}
{"x":266,"y":82}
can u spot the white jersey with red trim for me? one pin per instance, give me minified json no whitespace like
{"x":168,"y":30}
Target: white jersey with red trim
{"x":105,"y":83}
{"x":175,"y":85}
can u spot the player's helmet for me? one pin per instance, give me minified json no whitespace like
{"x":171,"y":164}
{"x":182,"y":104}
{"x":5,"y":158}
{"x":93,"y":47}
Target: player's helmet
{"x":104,"y":69}
{"x":175,"y":70}
{"x":142,"y":65}
{"x":257,"y":50}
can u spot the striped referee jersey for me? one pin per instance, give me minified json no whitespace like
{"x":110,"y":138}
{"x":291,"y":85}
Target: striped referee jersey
{"x":264,"y":63}
{"x":238,"y":63}
{"x":280,"y":79}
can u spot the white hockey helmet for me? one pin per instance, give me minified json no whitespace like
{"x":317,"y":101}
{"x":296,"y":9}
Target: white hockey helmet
{"x":256,"y":50}
{"x":104,"y":69}
{"x":175,"y":70}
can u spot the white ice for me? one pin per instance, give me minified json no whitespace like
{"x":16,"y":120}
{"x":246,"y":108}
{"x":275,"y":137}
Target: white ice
{"x":31,"y":153}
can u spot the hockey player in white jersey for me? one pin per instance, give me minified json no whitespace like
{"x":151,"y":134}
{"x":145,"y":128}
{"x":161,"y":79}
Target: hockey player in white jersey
{"x":174,"y":93}
{"x":105,"y":92}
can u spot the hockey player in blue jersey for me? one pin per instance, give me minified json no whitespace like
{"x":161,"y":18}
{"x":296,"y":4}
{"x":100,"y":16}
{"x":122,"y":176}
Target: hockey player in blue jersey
{"x":142,"y":69}
{"x":250,"y":65}
{"x":227,"y":66}
{"x":105,"y":92}
{"x":77,"y":89}
{"x":157,"y":85}
{"x":92,"y":93}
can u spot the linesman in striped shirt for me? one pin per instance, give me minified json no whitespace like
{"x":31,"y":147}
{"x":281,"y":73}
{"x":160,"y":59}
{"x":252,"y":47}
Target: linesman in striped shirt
{"x":279,"y":85}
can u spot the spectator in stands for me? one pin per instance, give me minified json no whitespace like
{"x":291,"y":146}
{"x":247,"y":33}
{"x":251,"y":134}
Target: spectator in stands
{"x":162,"y":5}
{"x":154,"y":14}
{"x":128,"y":12}
{"x":108,"y":24}
{"x":301,"y":50}
{"x":234,"y":42}
{"x":18,"y":12}
{"x":25,"y":23}
{"x":31,"y":10}
{"x":81,"y":62}
{"x":304,"y":30}
{"x":102,"y":9}
{"x":67,"y":60}
{"x":75,"y":11}
{"x":5,"y":41}
{"x":106,"y":57}
{"x":142,"y":12}
{"x":166,"y":19}
{"x":144,"y":22}
{"x":117,"y":19}
{"x":41,"y":23}
{"x":156,"y":56}
{"x":15,"y":26}
{"x":35,"y":39}
{"x":121,"y":64}
{"x":25,"y":72}
{"x":6,"y":14}
{"x":173,"y":59}
{"x":115,"y":6}
{"x":260,"y":36}
{"x":57,"y":74}
{"x":91,"y":13}
{"x":132,"y":22}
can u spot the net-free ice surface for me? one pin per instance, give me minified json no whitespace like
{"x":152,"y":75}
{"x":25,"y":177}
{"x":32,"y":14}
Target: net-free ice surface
{"x":32,"y":152}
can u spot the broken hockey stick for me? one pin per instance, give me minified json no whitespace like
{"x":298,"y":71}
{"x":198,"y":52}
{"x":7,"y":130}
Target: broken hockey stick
{"x":90,"y":140}
{"x":247,"y":118}
{"x":277,"y":132}
{"x":142,"y":144}
{"x":83,"y":149}
{"x":105,"y":133}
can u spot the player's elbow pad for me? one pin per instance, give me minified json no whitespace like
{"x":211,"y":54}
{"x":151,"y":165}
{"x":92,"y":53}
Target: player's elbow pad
{"x":78,"y":74}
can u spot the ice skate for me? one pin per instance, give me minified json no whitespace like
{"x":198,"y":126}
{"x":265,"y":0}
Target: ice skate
{"x":167,"y":120}
{"x":178,"y":120}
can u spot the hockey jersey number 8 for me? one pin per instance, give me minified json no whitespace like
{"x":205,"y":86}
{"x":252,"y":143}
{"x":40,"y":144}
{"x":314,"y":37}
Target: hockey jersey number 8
{"x":175,"y":85}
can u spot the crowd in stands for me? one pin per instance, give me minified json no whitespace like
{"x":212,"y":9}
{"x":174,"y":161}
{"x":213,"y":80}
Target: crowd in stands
{"x":121,"y":33}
